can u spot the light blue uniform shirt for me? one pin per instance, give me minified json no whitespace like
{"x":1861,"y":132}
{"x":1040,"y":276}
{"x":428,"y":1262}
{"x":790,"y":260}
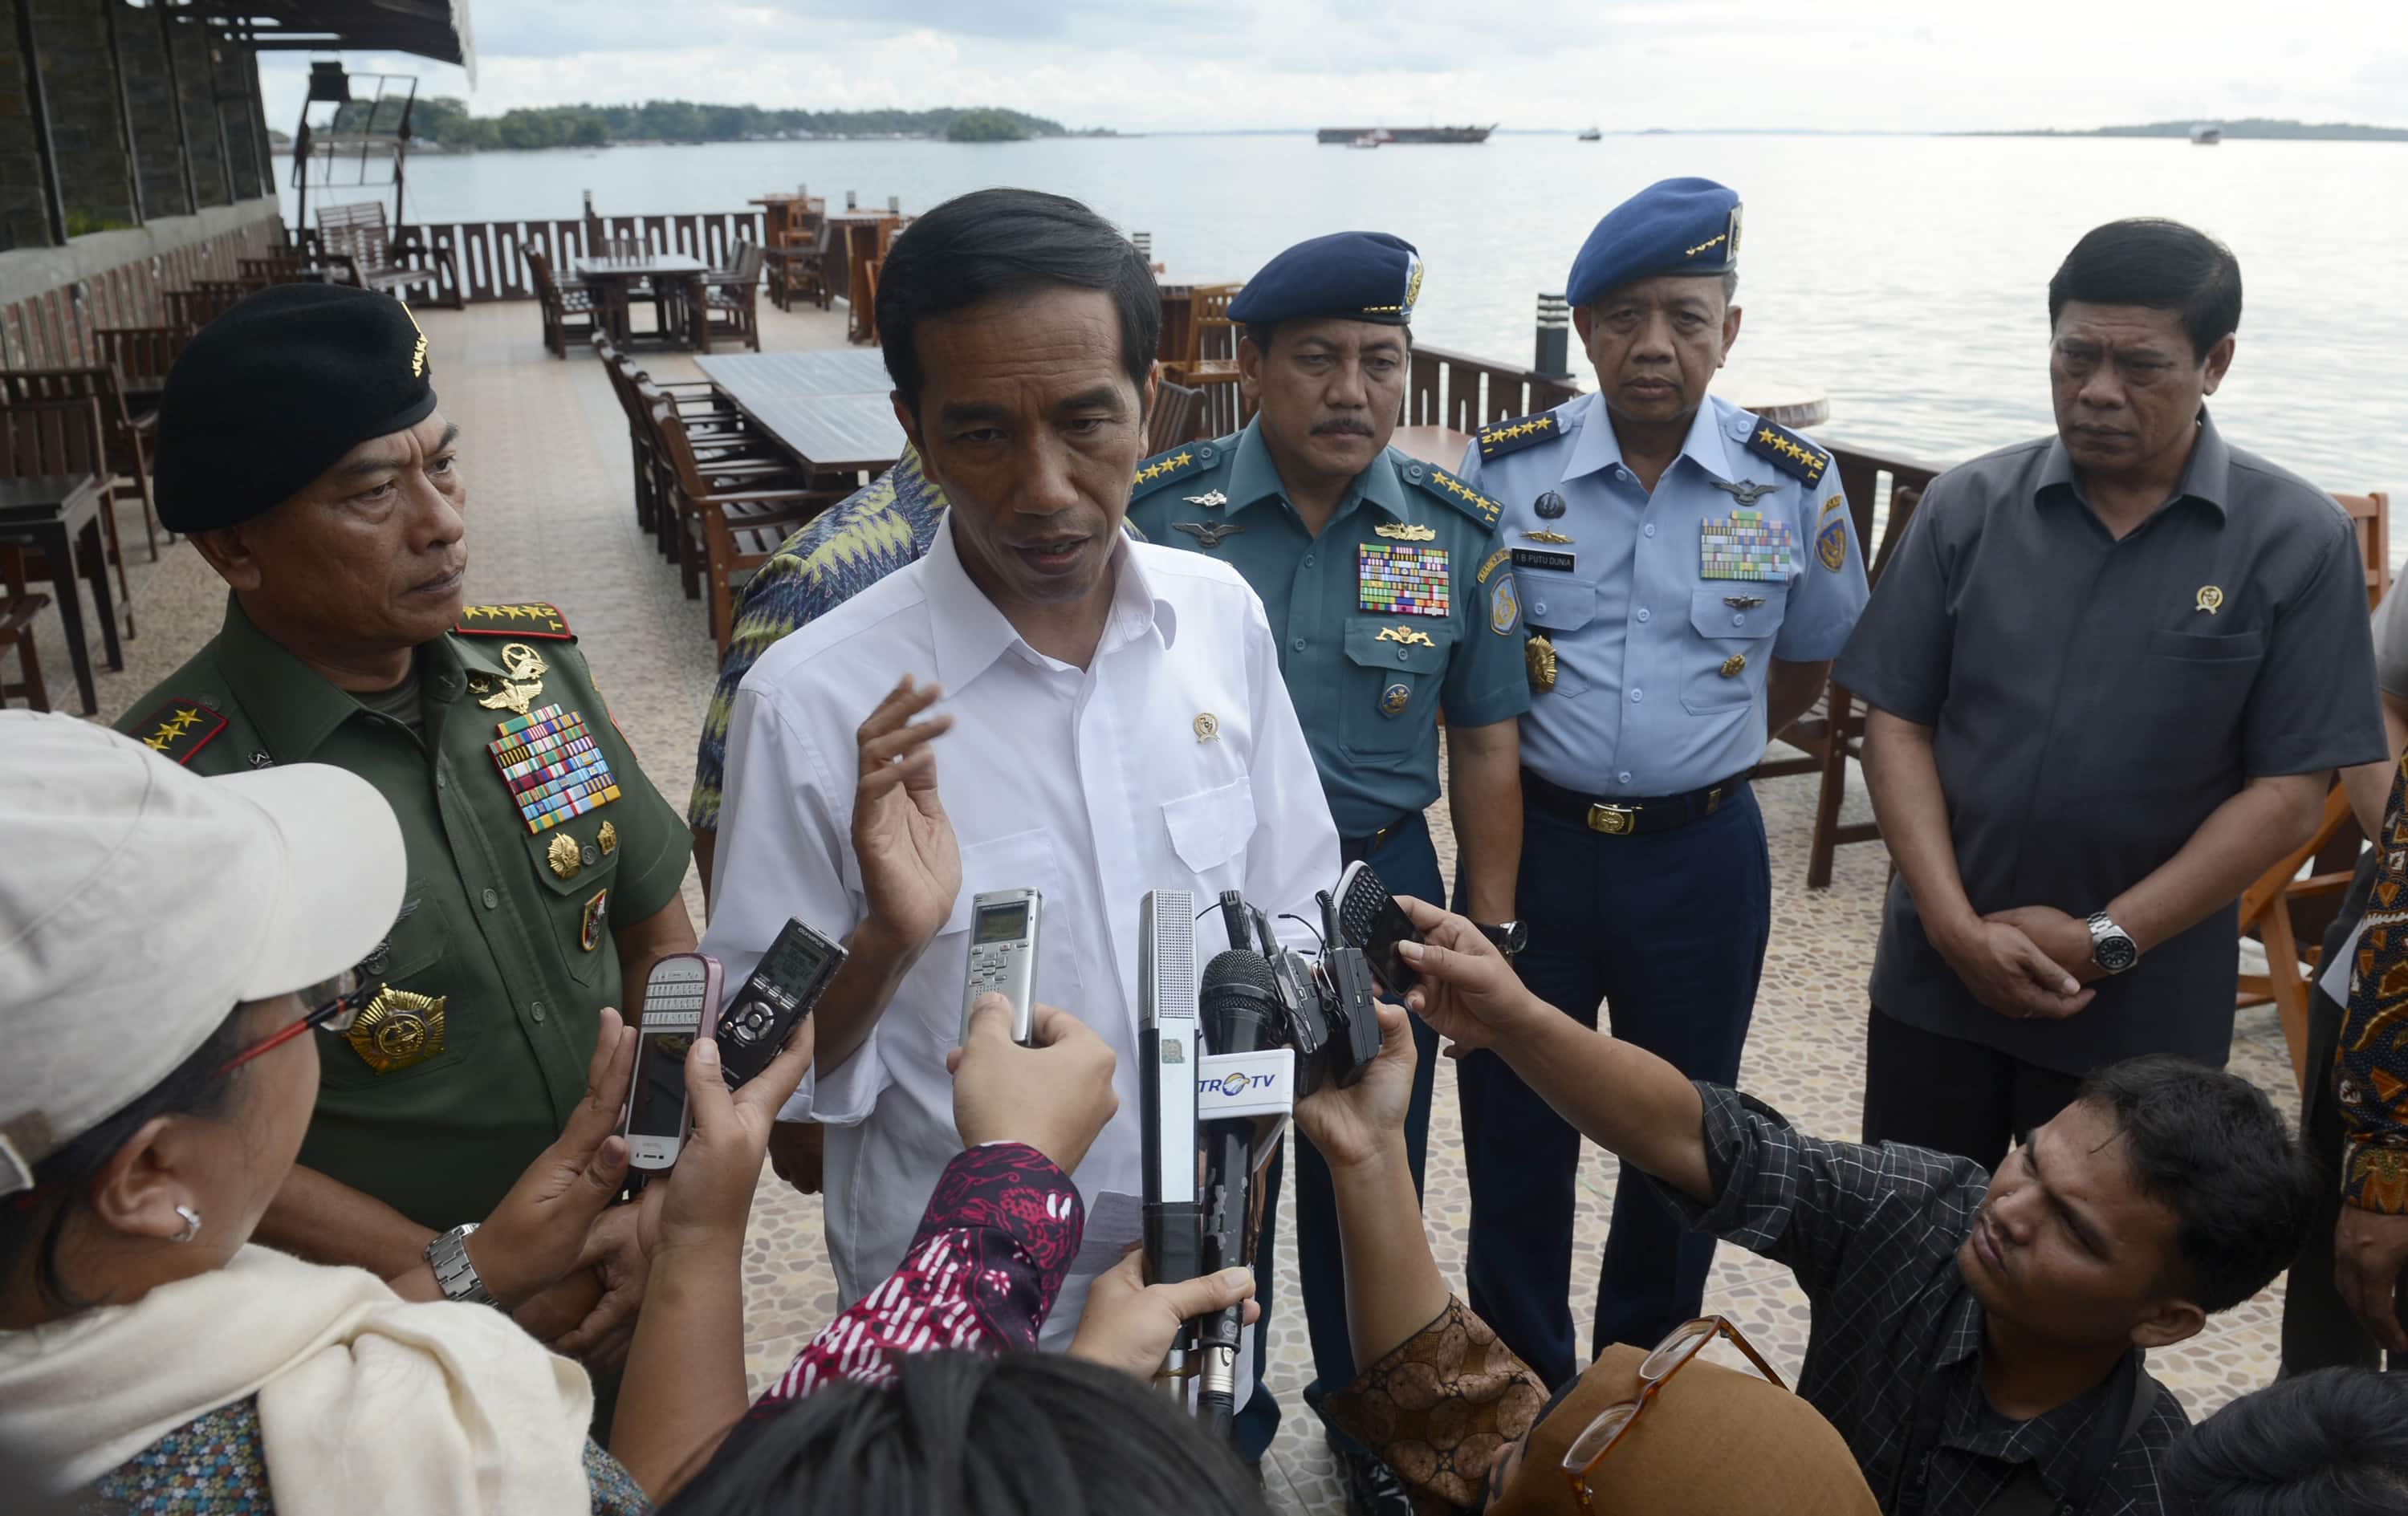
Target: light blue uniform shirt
{"x":1648,"y":699}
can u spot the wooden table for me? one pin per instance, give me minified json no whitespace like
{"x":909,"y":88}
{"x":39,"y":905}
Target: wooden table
{"x":59,"y":515}
{"x":794,"y":398}
{"x":858,"y":239}
{"x":677,"y":286}
{"x":1439,"y":444}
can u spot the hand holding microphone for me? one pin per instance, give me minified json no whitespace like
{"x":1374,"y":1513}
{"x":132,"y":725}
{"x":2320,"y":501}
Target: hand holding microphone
{"x":1055,"y":1096}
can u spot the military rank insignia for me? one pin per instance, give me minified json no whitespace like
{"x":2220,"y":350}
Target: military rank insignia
{"x":397,"y":1030}
{"x":1745,"y":546}
{"x":1502,"y":437}
{"x":553,"y":767}
{"x":535,"y":619}
{"x":1538,"y":658}
{"x":594,"y":923}
{"x":179,"y":729}
{"x":1402,"y":580}
{"x":1831,"y":544}
{"x":1789,"y":452}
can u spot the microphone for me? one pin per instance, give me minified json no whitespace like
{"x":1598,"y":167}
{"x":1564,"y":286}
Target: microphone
{"x":1169,"y":1055}
{"x":1240,"y":998}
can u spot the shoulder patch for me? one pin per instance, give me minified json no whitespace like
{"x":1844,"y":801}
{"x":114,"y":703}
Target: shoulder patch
{"x":1788,"y":452}
{"x":1462,"y":496}
{"x":179,"y":729}
{"x":1502,"y":438}
{"x":1166,"y":467}
{"x":534,"y":619}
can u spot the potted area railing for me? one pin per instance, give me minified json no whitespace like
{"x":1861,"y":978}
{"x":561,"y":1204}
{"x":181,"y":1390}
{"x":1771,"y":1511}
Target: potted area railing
{"x":491,"y":256}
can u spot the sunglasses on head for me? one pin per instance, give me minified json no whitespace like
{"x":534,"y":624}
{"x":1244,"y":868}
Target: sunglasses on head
{"x":335,"y":1003}
{"x":1671,"y":1357}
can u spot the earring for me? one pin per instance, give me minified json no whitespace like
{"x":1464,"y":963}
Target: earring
{"x":191,"y":1225}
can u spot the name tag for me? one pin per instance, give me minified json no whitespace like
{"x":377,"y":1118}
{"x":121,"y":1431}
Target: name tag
{"x":1562,"y":563}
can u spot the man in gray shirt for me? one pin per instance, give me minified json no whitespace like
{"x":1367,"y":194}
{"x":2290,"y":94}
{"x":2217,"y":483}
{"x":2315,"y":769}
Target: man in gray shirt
{"x":2111,"y":673}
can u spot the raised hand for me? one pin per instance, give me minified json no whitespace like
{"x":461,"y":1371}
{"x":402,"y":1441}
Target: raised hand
{"x":1469,"y":992}
{"x":910,"y":864}
{"x":1055,"y":1096}
{"x":542,"y":1229}
{"x":1360,"y":1121}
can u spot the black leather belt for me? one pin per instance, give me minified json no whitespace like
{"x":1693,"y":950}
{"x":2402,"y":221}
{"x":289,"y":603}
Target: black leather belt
{"x":1353,"y":849}
{"x":1628,"y":818}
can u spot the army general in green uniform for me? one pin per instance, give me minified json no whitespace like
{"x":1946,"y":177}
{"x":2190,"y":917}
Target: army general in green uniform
{"x":300,"y":446}
{"x":1393,"y":602}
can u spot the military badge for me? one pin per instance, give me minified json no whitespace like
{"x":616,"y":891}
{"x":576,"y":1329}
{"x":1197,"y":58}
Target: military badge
{"x":1831,"y":544}
{"x":1393,"y":699}
{"x":1789,"y":452}
{"x":553,"y":767}
{"x":1406,"y":531}
{"x":1833,"y":504}
{"x":1553,"y":539}
{"x":608,"y":838}
{"x":1405,"y":636}
{"x":1209,"y":535}
{"x":565,"y":856}
{"x":522,"y":684}
{"x":1742,"y":602}
{"x":1402,"y":581}
{"x":2210,"y":600}
{"x":593,"y":924}
{"x":1733,"y":664}
{"x":1207,"y":726}
{"x":1210,"y":499}
{"x":179,"y":729}
{"x":535,"y":619}
{"x":1500,"y":556}
{"x":397,"y":1030}
{"x":1745,"y":546}
{"x":1521,"y":431}
{"x":1550,"y":506}
{"x":1746,"y":491}
{"x":1538,"y":657}
{"x":1504,"y":607}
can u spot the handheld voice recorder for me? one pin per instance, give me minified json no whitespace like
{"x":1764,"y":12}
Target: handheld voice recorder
{"x":681,"y":1004}
{"x":1003,"y":957}
{"x":781,"y":991}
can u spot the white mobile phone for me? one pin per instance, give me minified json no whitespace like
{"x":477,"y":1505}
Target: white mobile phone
{"x":681,"y":1004}
{"x":1003,"y":957}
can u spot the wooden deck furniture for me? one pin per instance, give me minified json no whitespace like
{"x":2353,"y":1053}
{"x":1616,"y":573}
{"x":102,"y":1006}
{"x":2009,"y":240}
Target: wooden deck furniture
{"x":141,"y":355}
{"x":189,"y":310}
{"x":860,"y":238}
{"x":798,"y":268}
{"x":19,"y":610}
{"x":567,"y":309}
{"x":2371,"y":515}
{"x":1439,"y":444}
{"x":65,"y":436}
{"x":58,"y":517}
{"x":623,"y":278}
{"x":2291,"y":961}
{"x":730,"y":305}
{"x":1178,"y":414}
{"x":718,"y":434}
{"x":735,"y":522}
{"x":357,"y":233}
{"x":1211,"y":353}
{"x":292,"y":268}
{"x":795,"y":399}
{"x":127,"y":441}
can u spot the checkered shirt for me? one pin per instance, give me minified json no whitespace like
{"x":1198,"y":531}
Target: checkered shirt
{"x":1871,"y":1234}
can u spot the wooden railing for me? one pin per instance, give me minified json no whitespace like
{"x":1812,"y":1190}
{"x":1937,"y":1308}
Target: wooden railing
{"x":491,"y":256}
{"x":53,"y":329}
{"x":1453,"y":388}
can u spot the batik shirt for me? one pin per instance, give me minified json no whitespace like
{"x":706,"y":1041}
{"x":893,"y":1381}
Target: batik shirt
{"x":2371,"y":1076}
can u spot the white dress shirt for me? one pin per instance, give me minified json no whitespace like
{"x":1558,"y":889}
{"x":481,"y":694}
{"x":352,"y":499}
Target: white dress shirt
{"x":1091,"y":785}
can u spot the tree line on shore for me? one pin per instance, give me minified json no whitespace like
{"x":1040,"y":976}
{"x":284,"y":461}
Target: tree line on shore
{"x":447,"y":121}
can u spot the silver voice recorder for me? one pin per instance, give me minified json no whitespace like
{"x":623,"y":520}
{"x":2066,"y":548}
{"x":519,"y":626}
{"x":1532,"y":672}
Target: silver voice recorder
{"x":1003,"y":957}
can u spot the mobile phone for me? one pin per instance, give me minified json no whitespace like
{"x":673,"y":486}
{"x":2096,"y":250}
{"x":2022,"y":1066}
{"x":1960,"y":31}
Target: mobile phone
{"x":681,"y":1004}
{"x":1369,"y":918}
{"x":1003,"y":957}
{"x":784,"y":986}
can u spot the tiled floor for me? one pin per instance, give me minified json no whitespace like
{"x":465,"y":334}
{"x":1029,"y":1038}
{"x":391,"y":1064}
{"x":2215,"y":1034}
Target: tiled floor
{"x":550,"y":520}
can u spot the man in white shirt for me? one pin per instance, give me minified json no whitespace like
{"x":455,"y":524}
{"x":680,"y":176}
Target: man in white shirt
{"x":1114,"y":718}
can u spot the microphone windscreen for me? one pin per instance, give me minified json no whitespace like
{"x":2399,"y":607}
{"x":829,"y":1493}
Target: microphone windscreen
{"x":1237,"y":981}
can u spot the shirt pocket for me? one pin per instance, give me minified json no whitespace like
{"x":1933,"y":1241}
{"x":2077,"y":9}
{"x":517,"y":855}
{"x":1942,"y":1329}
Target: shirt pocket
{"x":2196,"y":683}
{"x":1738,"y":639}
{"x":1020,"y":861}
{"x":574,"y":877}
{"x":1552,"y":603}
{"x":1389,"y":687}
{"x":1210,"y":831}
{"x":412,"y":958}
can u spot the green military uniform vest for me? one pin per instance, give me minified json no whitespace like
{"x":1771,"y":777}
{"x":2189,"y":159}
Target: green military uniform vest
{"x":491,"y":987}
{"x":1403,"y":608}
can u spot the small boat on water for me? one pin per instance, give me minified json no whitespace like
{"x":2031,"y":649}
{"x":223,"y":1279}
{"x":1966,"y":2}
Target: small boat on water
{"x":1371,"y":140}
{"x":1350,"y":136}
{"x":2206,"y":134}
{"x":1592,"y":135}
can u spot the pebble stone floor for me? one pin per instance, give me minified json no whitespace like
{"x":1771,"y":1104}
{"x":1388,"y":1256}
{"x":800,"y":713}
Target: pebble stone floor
{"x":551,"y":518}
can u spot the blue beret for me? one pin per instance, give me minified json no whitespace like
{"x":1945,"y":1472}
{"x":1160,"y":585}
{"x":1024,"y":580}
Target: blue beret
{"x":272,"y":393}
{"x":1357,"y":276}
{"x":1674,"y":226}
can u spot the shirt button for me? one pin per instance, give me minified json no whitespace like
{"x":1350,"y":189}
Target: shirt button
{"x":536,"y":1010}
{"x":1539,"y":607}
{"x":442,"y":783}
{"x":1299,"y":644}
{"x":1635,"y":693}
{"x":492,"y":898}
{"x":1308,"y":560}
{"x":1739,"y":620}
{"x":1622,"y":777}
{"x":1651,"y":528}
{"x":1642,"y":613}
{"x":1400,"y":655}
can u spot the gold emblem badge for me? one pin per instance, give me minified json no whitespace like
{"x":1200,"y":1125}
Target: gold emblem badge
{"x":1733,"y":665}
{"x":1613,"y":821}
{"x":523,"y":686}
{"x":564,"y":855}
{"x":2211,"y":599}
{"x":1406,"y":531}
{"x":397,"y":1030}
{"x":417,"y":352}
{"x":595,"y":922}
{"x":1553,"y":539}
{"x":608,"y":838}
{"x":1539,"y":656}
{"x":1405,"y":635}
{"x":1208,"y":727}
{"x":1393,"y":699}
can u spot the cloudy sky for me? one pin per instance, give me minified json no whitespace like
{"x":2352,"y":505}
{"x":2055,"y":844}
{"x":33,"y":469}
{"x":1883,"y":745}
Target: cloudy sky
{"x":1184,"y":65}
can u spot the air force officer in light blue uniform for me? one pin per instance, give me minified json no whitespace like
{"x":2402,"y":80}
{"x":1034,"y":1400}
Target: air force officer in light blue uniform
{"x":1687,"y":571}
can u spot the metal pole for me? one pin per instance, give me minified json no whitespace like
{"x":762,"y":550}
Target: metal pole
{"x":124,"y":110}
{"x":1555,"y":337}
{"x":176,"y":96}
{"x":217,"y":110}
{"x":38,"y":99}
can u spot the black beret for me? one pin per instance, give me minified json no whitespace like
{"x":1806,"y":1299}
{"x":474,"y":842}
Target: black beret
{"x":1358,"y":276}
{"x":272,"y":393}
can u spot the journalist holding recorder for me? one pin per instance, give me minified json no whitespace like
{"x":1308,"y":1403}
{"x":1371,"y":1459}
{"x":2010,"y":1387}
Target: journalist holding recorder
{"x":1976,"y":1339}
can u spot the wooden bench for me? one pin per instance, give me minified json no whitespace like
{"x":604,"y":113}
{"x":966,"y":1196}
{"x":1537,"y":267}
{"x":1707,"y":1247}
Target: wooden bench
{"x":357,"y":234}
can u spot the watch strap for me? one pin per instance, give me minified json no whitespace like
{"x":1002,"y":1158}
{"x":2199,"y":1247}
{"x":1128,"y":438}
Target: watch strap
{"x":455,"y":1273}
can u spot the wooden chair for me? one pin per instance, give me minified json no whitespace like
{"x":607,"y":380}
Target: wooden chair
{"x":1177,"y":412}
{"x":718,"y":433}
{"x":277,"y":268}
{"x":798,"y":271}
{"x":127,"y":441}
{"x":18,"y":607}
{"x":731,"y":301}
{"x":1208,"y":327}
{"x":189,"y":310}
{"x":65,"y":437}
{"x":735,"y":523}
{"x":2371,"y":515}
{"x":358,"y":235}
{"x":2266,"y":907}
{"x":561,"y":305}
{"x":141,"y":355}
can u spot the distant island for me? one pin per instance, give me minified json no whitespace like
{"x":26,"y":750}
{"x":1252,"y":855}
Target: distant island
{"x":446,"y":122}
{"x":2260,"y":127}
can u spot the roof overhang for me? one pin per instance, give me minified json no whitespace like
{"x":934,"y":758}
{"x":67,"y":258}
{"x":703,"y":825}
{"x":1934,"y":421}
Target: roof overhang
{"x":436,"y":29}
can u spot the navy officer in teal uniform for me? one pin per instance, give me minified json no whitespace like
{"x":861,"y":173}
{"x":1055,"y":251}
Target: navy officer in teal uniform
{"x":1393,"y":601}
{"x":1688,"y":571}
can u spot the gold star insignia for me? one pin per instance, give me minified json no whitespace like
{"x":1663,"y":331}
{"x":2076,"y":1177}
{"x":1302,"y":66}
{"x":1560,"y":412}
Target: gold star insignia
{"x":1183,"y":459}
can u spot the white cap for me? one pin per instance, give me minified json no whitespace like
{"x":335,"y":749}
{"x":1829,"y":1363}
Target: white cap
{"x":141,"y":903}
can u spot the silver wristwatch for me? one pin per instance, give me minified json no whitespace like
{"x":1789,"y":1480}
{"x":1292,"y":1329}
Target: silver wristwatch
{"x":2112,"y":948}
{"x":448,"y":1255}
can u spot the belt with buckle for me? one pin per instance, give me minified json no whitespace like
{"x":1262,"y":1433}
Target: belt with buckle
{"x":1353,"y":849}
{"x":1629,"y":817}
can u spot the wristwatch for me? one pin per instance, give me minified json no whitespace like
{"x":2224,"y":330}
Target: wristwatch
{"x":1509,"y":936}
{"x":448,"y":1255}
{"x":2112,"y":948}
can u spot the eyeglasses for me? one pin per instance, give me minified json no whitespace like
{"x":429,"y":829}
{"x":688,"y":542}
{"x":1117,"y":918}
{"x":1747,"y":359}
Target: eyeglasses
{"x":1671,"y":1357}
{"x":337,"y":1003}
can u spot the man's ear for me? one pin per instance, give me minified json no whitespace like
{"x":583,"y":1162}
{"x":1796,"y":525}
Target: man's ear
{"x":2220,"y":362}
{"x":228,"y":549}
{"x":2167,"y":1323}
{"x":1250,"y":369}
{"x":1730,"y":332}
{"x":1149,"y":392}
{"x":909,"y":420}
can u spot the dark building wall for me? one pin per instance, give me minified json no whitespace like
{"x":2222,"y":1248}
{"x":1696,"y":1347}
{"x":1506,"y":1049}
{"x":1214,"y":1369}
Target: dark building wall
{"x":23,"y":221}
{"x":235,"y":68}
{"x":87,"y":129}
{"x":143,"y":55}
{"x":193,"y":67}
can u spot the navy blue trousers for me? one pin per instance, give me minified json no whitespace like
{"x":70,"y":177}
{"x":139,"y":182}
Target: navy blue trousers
{"x":1407,"y":864}
{"x":1669,"y":931}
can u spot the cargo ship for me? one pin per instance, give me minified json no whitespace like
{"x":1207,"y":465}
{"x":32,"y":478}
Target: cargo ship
{"x":1403,"y":135}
